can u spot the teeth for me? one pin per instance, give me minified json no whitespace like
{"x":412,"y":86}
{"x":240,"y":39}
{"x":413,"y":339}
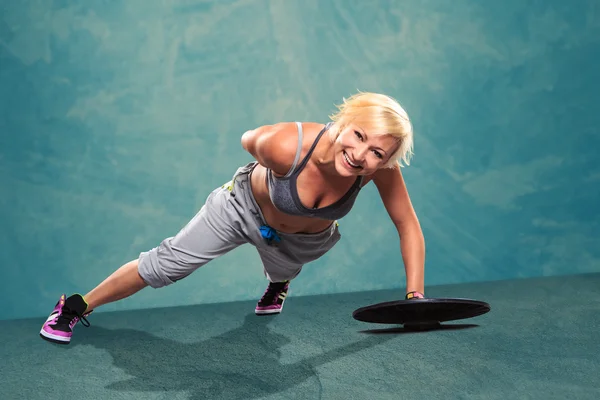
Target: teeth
{"x":350,"y":162}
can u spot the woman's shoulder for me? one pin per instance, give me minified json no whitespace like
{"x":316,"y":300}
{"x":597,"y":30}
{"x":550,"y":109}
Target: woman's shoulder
{"x":274,"y":146}
{"x":285,"y":131}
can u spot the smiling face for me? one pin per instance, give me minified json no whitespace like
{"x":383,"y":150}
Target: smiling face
{"x":370,"y":131}
{"x":358,"y":151}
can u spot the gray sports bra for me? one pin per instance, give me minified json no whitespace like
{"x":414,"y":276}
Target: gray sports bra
{"x":284,"y":192}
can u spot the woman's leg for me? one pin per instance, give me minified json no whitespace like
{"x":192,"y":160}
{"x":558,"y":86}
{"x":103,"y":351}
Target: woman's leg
{"x":215,"y":230}
{"x":210,"y":234}
{"x":122,"y":283}
{"x":284,"y":262}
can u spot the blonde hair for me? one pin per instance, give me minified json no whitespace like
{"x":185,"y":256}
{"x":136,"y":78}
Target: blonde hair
{"x":380,"y":115}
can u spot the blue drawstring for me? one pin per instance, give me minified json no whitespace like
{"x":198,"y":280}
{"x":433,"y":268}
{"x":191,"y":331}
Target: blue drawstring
{"x":270,"y":234}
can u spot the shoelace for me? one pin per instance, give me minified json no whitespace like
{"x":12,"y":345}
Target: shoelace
{"x":68,"y":315}
{"x":272,"y":291}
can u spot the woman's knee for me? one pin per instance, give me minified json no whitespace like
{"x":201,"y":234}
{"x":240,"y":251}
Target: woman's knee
{"x":165,"y":265}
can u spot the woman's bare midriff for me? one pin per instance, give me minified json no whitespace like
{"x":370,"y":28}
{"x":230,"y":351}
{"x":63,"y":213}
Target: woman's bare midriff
{"x":275,"y":218}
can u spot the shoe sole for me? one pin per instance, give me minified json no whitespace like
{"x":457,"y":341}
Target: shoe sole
{"x":267,"y":312}
{"x":54,"y":338}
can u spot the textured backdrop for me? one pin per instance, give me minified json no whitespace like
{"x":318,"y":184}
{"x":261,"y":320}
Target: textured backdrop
{"x":118,"y":118}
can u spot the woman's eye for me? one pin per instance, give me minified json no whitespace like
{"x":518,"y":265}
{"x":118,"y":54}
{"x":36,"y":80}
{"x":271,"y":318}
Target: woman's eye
{"x":377,"y":154}
{"x":358,"y":135}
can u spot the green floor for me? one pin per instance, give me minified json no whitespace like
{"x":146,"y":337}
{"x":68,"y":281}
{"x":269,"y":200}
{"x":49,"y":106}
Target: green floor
{"x":540,"y":341}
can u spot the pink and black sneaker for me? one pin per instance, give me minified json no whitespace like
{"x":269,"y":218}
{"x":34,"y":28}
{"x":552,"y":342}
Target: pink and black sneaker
{"x":273,"y":299}
{"x":58,"y":328}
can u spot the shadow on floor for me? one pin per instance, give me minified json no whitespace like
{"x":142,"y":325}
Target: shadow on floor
{"x":243,"y":363}
{"x":401,"y":329}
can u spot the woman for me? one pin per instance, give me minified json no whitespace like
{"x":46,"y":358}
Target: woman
{"x":286,"y":204}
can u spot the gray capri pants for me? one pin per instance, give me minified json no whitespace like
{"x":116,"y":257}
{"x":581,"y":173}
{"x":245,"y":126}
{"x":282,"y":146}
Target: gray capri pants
{"x":229,"y":218}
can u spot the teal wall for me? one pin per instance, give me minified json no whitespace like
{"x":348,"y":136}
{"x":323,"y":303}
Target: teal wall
{"x":118,"y":118}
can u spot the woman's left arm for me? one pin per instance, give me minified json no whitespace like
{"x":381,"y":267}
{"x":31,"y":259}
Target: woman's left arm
{"x":393,"y":192}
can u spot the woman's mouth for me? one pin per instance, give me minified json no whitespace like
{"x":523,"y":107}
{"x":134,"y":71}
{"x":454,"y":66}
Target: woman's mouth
{"x":349,"y":163}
